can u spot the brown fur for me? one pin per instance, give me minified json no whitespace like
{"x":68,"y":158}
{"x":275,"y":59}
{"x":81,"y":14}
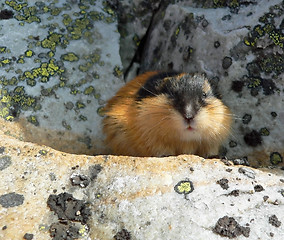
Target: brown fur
{"x":152,"y":127}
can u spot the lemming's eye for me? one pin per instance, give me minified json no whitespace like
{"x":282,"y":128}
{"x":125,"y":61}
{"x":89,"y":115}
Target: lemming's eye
{"x":204,"y":95}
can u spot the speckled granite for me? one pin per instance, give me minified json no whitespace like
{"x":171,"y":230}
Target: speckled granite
{"x":59,"y":62}
{"x":47,"y":194}
{"x":239,"y":45}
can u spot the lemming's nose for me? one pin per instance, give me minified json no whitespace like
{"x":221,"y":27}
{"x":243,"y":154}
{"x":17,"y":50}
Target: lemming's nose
{"x":188,"y":118}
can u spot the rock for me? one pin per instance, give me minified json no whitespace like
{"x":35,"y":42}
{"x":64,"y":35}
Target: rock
{"x":54,"y":87}
{"x":240,"y":46}
{"x":134,"y":198}
{"x":59,"y":63}
{"x":134,"y":19}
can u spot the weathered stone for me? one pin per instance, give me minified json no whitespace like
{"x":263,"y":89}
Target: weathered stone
{"x":245,"y":52}
{"x":59,"y":63}
{"x":135,"y":198}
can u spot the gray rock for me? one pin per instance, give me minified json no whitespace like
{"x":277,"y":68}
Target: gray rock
{"x":136,"y":198}
{"x":5,"y":161}
{"x":11,"y":200}
{"x":59,"y":63}
{"x":244,"y":51}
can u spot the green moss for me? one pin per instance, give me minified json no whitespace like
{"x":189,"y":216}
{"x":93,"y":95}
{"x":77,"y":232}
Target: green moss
{"x":67,"y":20}
{"x":95,"y":75}
{"x":84,"y":68}
{"x":117,"y":71}
{"x":71,"y":57}
{"x":95,"y":57}
{"x":110,"y":19}
{"x":33,"y":120}
{"x":276,"y":158}
{"x":83,"y":7}
{"x":101,"y":111}
{"x":45,"y":9}
{"x":268,"y":28}
{"x":74,"y":91}
{"x":96,"y":16}
{"x":219,"y":3}
{"x":73,"y":26}
{"x":50,"y":54}
{"x":3,"y":49}
{"x":89,"y":90}
{"x":5,"y":61}
{"x":254,"y":82}
{"x":177,"y":31}
{"x":277,"y":37}
{"x":55,"y":11}
{"x":234,"y":3}
{"x":43,"y":152}
{"x":109,"y":10}
{"x":259,"y":30}
{"x":136,"y":40}
{"x":272,"y":63}
{"x":31,"y":82}
{"x":52,"y":40}
{"x":83,"y":118}
{"x":62,"y":84}
{"x":29,"y":53}
{"x":13,"y":81}
{"x":47,"y":91}
{"x":66,"y":126}
{"x":184,"y":187}
{"x":78,"y":27}
{"x":226,"y":3}
{"x":264,"y":132}
{"x":97,"y":96}
{"x":89,"y":36}
{"x":80,"y":105}
{"x":4,"y":112}
{"x":16,"y":6}
{"x":28,"y":13}
{"x":44,"y":72}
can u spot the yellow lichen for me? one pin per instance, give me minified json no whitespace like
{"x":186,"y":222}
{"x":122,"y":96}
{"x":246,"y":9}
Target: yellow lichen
{"x":71,"y":57}
{"x":29,"y":53}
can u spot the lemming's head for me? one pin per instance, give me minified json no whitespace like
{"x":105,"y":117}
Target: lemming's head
{"x":184,"y":103}
{"x":186,"y":92}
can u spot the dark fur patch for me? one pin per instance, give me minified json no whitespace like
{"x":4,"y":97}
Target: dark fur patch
{"x":152,"y":86}
{"x":181,"y":90}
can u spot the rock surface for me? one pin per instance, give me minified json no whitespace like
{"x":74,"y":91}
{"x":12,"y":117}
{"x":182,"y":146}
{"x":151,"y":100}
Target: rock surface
{"x":47,"y":194}
{"x":59,"y":63}
{"x":241,"y":49}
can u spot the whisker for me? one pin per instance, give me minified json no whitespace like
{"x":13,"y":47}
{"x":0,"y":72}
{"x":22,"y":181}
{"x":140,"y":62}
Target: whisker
{"x":235,"y":117}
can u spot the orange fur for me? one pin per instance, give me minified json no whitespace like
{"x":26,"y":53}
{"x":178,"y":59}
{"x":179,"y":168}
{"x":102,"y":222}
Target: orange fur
{"x":153,"y":127}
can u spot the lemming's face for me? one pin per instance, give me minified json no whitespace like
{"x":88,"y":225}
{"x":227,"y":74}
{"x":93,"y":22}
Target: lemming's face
{"x":186,"y":108}
{"x":189,"y":95}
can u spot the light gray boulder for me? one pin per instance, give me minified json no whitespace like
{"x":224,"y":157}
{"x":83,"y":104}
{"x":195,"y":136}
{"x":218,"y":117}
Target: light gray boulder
{"x":241,"y":49}
{"x":59,"y":63}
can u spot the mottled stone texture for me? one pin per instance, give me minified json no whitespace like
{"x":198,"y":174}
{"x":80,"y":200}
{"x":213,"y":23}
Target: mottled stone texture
{"x":61,"y":60}
{"x":183,"y":197}
{"x":239,"y":45}
{"x":59,"y":63}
